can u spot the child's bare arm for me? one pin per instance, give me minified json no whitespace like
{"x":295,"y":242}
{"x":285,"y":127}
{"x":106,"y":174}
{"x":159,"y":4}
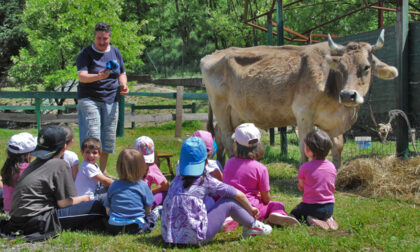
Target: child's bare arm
{"x":75,"y":170}
{"x":217,"y":174}
{"x":148,"y":210}
{"x":300,"y":185}
{"x":265,"y":197}
{"x":163,"y":187}
{"x":107,"y":210}
{"x":103,"y":179}
{"x":244,"y":202}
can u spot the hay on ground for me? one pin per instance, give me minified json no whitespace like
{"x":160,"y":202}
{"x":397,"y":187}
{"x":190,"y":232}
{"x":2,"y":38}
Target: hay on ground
{"x":382,"y":177}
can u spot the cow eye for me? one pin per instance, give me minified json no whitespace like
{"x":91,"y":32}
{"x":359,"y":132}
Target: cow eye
{"x":366,"y":68}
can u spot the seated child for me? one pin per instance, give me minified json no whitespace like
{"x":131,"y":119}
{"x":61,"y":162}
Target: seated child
{"x":69,"y":156}
{"x":146,"y":146}
{"x":184,"y":216}
{"x":317,"y":181}
{"x":213,"y":166}
{"x":89,"y":178}
{"x":245,"y":173}
{"x":129,"y":199}
{"x":19,"y":156}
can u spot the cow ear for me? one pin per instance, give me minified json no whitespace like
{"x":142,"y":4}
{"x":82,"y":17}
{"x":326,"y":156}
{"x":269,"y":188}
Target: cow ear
{"x":382,"y":70}
{"x":333,"y":61}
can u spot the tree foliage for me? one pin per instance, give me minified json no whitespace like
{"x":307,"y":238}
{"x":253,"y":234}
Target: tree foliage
{"x":12,"y":34}
{"x":57,"y":31}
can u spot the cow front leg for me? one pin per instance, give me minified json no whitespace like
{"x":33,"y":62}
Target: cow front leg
{"x":303,"y":130}
{"x":337,"y":148}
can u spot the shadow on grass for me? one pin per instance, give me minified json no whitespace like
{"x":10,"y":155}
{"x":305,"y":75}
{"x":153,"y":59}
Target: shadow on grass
{"x":158,"y":242}
{"x":284,"y":185}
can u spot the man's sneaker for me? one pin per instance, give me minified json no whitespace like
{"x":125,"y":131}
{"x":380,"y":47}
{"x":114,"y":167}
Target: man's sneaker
{"x":312,"y":221}
{"x":156,"y":212}
{"x":257,"y":228}
{"x":230,"y":224}
{"x":332,"y":223}
{"x":282,"y":220}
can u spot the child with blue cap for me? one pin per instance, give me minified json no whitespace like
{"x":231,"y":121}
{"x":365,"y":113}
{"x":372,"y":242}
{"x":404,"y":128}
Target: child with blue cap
{"x":184,"y":216}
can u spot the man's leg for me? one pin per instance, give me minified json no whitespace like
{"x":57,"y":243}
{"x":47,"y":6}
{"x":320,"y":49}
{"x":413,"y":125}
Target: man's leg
{"x":109,"y":122}
{"x":89,"y":119}
{"x":84,"y":215}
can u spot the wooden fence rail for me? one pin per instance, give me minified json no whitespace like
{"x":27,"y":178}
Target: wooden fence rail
{"x":72,"y":117}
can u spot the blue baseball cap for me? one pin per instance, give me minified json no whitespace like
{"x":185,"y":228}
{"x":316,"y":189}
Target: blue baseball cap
{"x":193,"y":157}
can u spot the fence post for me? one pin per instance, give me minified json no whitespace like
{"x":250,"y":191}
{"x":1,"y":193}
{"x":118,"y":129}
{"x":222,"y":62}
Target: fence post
{"x":121,"y":105}
{"x":133,"y":110}
{"x":178,"y":118}
{"x":38,"y":113}
{"x":194,"y":107}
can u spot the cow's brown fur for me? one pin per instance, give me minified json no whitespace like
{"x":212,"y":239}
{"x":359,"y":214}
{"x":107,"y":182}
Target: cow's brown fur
{"x":288,"y":85}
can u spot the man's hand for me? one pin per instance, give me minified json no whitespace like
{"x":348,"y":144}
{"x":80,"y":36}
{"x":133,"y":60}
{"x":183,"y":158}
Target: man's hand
{"x":124,"y":89}
{"x":102,"y":74}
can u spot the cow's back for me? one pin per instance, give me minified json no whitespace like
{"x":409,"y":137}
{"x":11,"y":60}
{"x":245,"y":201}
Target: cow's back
{"x":259,"y":82}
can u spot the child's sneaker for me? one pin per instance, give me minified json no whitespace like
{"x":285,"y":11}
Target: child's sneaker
{"x":332,"y":223}
{"x":230,"y":224}
{"x":312,"y":221}
{"x":282,"y":220}
{"x":257,"y":228}
{"x":156,"y":212}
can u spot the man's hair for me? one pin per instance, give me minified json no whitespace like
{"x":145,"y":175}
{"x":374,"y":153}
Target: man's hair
{"x":131,"y":165}
{"x":102,"y":26}
{"x":69,"y":133}
{"x":255,"y":152}
{"x":319,"y":142}
{"x":91,"y":143}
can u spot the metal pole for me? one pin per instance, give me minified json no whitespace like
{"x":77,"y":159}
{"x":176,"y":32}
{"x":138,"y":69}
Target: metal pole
{"x":38,"y":113}
{"x":401,"y":82}
{"x":121,"y":105}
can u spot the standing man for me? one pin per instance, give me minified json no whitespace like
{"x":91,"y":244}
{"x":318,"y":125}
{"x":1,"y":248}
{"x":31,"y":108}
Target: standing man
{"x":100,"y":68}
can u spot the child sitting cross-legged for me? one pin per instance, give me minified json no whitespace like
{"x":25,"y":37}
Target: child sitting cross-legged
{"x":19,"y":156}
{"x":245,"y":173}
{"x":146,"y":146}
{"x":129,"y":198}
{"x":90,"y":178}
{"x":317,"y":181}
{"x":184,"y":217}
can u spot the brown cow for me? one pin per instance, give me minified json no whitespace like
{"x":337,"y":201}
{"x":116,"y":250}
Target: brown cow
{"x":319,"y":85}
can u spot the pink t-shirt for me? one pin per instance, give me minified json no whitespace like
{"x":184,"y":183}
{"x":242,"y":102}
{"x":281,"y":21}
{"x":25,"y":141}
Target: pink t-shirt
{"x":319,"y":181}
{"x":154,"y":175}
{"x":8,"y":190}
{"x":248,"y":176}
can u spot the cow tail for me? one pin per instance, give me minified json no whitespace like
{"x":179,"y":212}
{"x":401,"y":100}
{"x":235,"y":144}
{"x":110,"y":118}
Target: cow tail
{"x":210,"y":126}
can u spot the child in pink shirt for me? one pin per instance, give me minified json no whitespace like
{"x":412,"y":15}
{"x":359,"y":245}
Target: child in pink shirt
{"x":317,"y":181}
{"x":19,"y":156}
{"x":146,"y":146}
{"x":251,"y":177}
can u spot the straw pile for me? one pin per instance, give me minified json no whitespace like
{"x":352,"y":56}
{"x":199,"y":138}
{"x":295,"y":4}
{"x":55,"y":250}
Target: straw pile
{"x":385,"y":177}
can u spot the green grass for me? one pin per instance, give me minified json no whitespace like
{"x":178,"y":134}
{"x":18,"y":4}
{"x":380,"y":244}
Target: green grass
{"x":365,"y":223}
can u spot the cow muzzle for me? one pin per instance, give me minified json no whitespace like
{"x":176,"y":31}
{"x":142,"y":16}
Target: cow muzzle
{"x":350,"y":98}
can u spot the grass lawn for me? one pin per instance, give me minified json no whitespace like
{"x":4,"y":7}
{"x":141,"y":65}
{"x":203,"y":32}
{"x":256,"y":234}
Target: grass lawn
{"x":365,"y":223}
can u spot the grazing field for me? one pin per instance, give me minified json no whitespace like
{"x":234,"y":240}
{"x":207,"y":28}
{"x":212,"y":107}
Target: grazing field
{"x":366,"y":223}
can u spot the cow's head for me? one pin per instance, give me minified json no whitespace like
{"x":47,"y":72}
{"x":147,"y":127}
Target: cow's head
{"x":353,"y":65}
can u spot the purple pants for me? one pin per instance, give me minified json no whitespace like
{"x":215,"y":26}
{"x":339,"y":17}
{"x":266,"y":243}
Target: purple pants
{"x":159,"y":197}
{"x":221,"y":210}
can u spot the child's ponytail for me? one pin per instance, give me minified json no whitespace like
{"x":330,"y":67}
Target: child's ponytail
{"x":11,"y":168}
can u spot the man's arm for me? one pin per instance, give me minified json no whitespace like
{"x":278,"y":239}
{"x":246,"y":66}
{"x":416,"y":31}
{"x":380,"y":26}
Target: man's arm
{"x":85,"y":77}
{"x":122,"y":79}
{"x":72,"y":201}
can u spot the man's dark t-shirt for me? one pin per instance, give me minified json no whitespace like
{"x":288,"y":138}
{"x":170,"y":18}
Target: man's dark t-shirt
{"x":92,"y":61}
{"x":41,"y":185}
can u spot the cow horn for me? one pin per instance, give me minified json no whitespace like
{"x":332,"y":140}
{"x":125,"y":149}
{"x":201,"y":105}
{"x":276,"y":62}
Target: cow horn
{"x":380,"y":43}
{"x":336,"y":48}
